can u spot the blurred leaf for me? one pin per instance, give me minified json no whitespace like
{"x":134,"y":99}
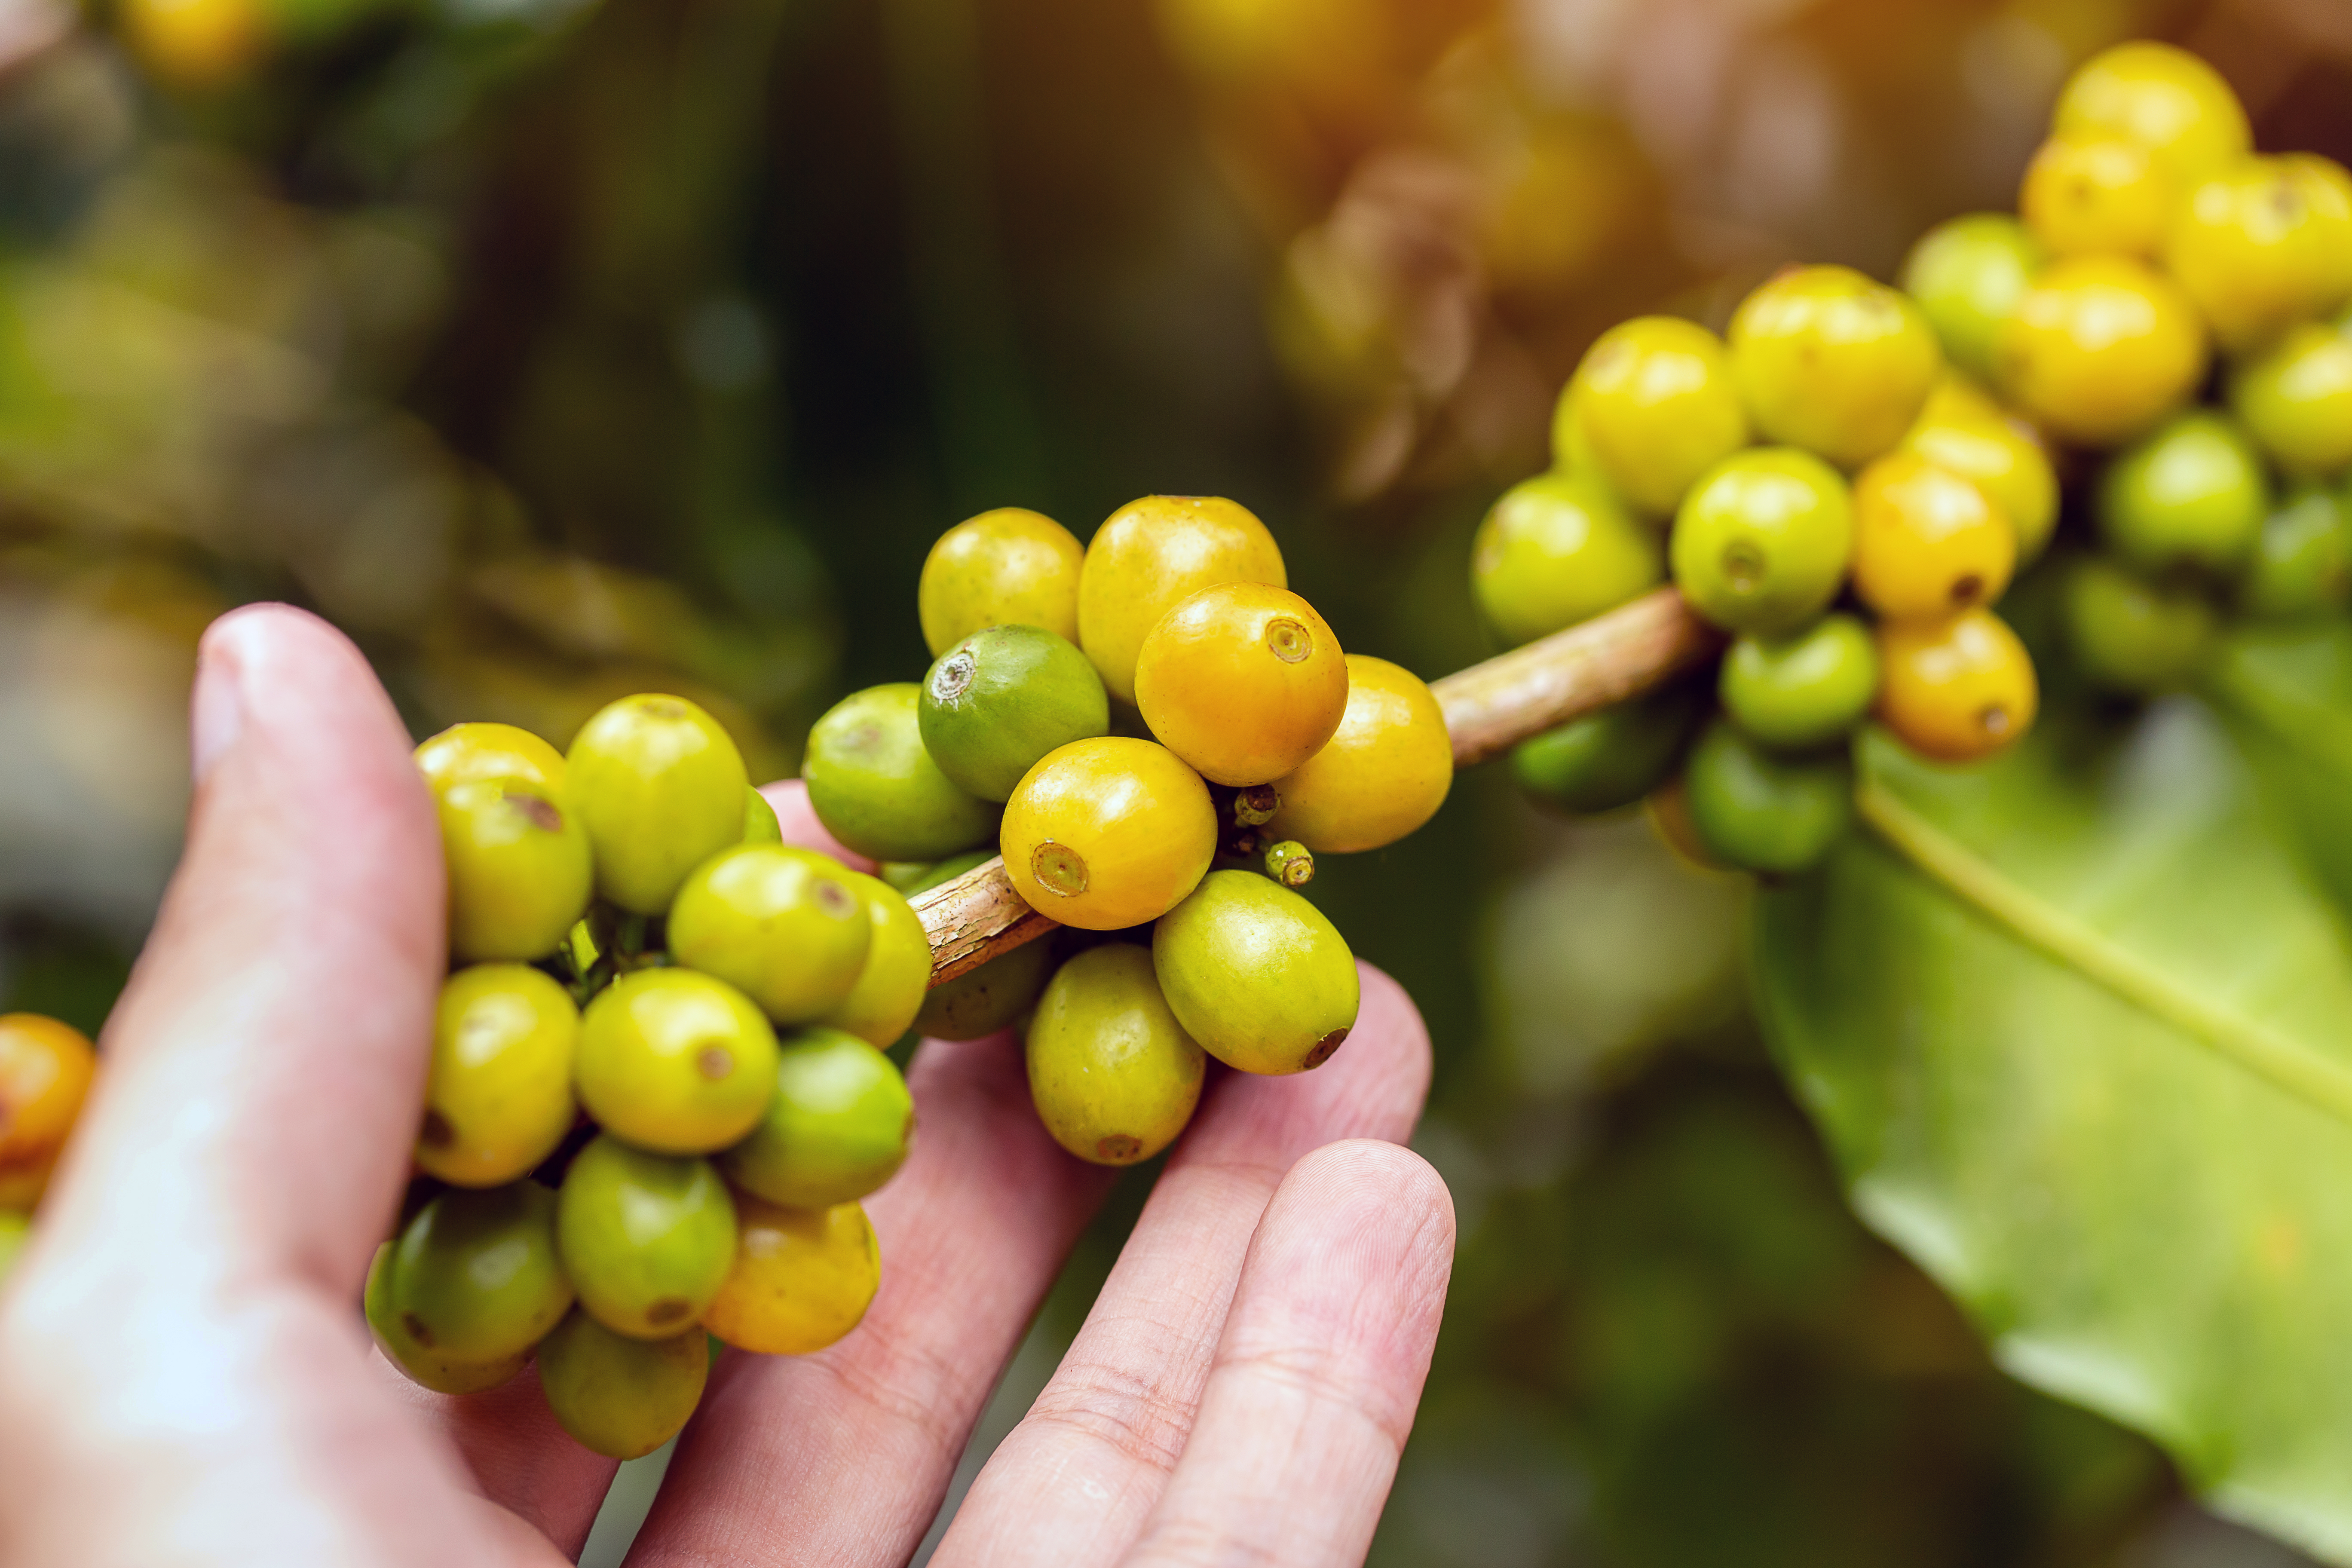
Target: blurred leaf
{"x":2135,"y":1220}
{"x":2288,"y":690}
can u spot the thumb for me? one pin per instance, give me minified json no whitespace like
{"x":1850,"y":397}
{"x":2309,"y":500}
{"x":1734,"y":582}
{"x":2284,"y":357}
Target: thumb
{"x":264,"y":1069}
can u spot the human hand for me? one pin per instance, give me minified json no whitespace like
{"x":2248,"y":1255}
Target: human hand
{"x":184,"y":1376}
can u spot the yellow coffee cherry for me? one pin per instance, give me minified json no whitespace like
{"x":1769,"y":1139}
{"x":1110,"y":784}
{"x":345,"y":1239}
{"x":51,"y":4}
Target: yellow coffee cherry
{"x":1955,"y":690}
{"x":1243,"y":681}
{"x":1107,"y":834}
{"x":46,"y":1069}
{"x":780,"y":924}
{"x":2263,"y":244}
{"x":659,"y":785}
{"x":1151,"y":555}
{"x":2100,"y":349}
{"x":2095,"y":196}
{"x":1383,"y":774}
{"x":473,"y":753}
{"x":1832,"y":362}
{"x":519,"y":865}
{"x":674,"y":1062}
{"x":1651,"y":406}
{"x":760,"y":824}
{"x":2296,"y":399}
{"x":803,"y":1277}
{"x":499,"y":1099}
{"x":2163,"y":98}
{"x":889,"y":991}
{"x":1009,"y":567}
{"x":1113,"y":1074}
{"x":1926,"y":541}
{"x":1965,"y":431}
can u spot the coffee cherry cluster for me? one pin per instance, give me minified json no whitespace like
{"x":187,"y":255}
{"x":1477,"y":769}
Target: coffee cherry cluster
{"x":2150,"y":240}
{"x":46,"y":1069}
{"x":1157,"y":737}
{"x":655,"y":1093}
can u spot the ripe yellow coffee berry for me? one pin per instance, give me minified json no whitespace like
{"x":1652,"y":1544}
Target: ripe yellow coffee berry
{"x":519,"y":866}
{"x":1383,"y":773}
{"x":499,"y":1099}
{"x":2263,"y":245}
{"x":803,"y":1277}
{"x":46,"y":1070}
{"x":674,"y":1062}
{"x":1965,"y":431}
{"x":1151,"y":555}
{"x":1109,"y":833}
{"x":781,"y":924}
{"x":889,"y":991}
{"x":1651,"y":406}
{"x":1113,"y":1074}
{"x":2163,"y":98}
{"x":1260,"y":977}
{"x":470,"y":753}
{"x":659,"y":786}
{"x":1926,"y":542}
{"x":1955,"y":690}
{"x":2095,"y":196}
{"x":2100,"y":349}
{"x":1009,"y":567}
{"x":1243,"y":681}
{"x":1832,"y":362}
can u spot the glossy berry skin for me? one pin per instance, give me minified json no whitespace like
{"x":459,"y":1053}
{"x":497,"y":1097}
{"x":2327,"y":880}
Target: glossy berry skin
{"x":1757,"y":810}
{"x":1556,"y":550}
{"x":470,"y":753}
{"x":1151,"y":555}
{"x":1832,"y":362}
{"x":1956,"y":689}
{"x":782,"y":925}
{"x":1114,"y":1076}
{"x":518,"y":864}
{"x":1963,"y":430}
{"x":1257,"y":975}
{"x":1384,"y":772}
{"x":997,"y":700}
{"x":1107,"y":834}
{"x":760,"y":824}
{"x":2099,"y":349}
{"x":2262,"y":245}
{"x":1967,"y":274}
{"x":2097,"y":195}
{"x":425,"y":1368}
{"x":2194,"y":494}
{"x":1652,"y":405}
{"x":889,"y":991}
{"x":674,"y":1062}
{"x":659,"y":786}
{"x":1804,"y":691}
{"x":2163,"y":98}
{"x":1926,"y":541}
{"x":876,"y":789}
{"x":838,"y":1126}
{"x":645,"y":1240}
{"x":1006,"y":567}
{"x":1611,"y":758}
{"x":1762,"y":542}
{"x":2132,"y":636}
{"x":2302,"y":564}
{"x":46,"y":1069}
{"x":803,"y":1279}
{"x":474,"y":1275}
{"x":619,"y":1397}
{"x":498,"y":1097}
{"x":1243,"y":681}
{"x":2295,"y":400}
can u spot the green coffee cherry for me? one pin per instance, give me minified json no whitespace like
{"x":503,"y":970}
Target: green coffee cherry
{"x":618,"y":1396}
{"x":660,"y":787}
{"x":782,"y":925}
{"x":1290,"y":863}
{"x":876,"y":789}
{"x":499,"y":1099}
{"x":981,"y":1000}
{"x":2302,"y":564}
{"x":1803,"y":690}
{"x":1966,"y":275}
{"x":1610,"y":758}
{"x":474,"y":1278}
{"x":889,"y":991}
{"x":425,"y":1368}
{"x":2192,"y":493}
{"x":1652,"y":406}
{"x":1002,"y":698}
{"x":1760,"y":811}
{"x":837,"y":1128}
{"x":520,"y":868}
{"x":1557,"y":550}
{"x":1114,"y":1075}
{"x":1832,"y":362}
{"x":1257,"y":975}
{"x":1763,"y":540}
{"x":675,"y":1061}
{"x":2130,"y":634}
{"x":2296,"y":399}
{"x":646,"y":1239}
{"x":760,"y":824}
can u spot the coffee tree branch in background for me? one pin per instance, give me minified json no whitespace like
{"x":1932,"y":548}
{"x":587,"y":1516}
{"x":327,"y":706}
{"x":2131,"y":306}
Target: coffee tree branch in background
{"x":1489,"y":708}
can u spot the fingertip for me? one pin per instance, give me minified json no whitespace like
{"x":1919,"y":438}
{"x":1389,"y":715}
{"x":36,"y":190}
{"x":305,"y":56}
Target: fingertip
{"x":1378,"y":1184}
{"x":798,"y":820}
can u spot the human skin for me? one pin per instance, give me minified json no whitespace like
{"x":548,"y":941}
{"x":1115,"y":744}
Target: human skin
{"x":185,"y":1377}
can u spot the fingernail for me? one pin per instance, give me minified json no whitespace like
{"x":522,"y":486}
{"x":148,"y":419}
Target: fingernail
{"x":216,"y":707}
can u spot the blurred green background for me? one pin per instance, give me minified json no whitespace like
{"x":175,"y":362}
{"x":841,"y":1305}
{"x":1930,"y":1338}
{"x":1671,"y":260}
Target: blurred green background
{"x":557,"y":349}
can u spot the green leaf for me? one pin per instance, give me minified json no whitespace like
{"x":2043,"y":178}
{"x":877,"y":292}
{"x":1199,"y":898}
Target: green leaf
{"x":2287,"y":691}
{"x":2078,"y":1028}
